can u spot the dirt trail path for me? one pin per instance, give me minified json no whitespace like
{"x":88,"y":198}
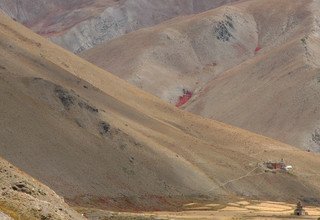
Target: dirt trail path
{"x":237,"y":179}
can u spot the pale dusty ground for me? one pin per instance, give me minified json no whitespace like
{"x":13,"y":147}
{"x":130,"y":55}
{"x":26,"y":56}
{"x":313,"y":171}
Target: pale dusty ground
{"x":267,"y":210}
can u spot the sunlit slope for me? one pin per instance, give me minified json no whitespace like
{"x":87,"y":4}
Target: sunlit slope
{"x":93,"y":137}
{"x":275,"y":93}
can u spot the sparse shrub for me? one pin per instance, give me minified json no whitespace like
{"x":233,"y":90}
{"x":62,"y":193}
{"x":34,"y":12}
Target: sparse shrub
{"x":104,"y":128}
{"x":316,"y":137}
{"x":88,"y":107}
{"x":66,"y":99}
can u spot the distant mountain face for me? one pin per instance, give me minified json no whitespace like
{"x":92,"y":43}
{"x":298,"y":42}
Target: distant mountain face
{"x":172,"y":60}
{"x":30,"y":12}
{"x":79,"y":25}
{"x":251,"y":64}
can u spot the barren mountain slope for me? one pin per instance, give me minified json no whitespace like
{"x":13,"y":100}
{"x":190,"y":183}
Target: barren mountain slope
{"x":22,"y":197}
{"x":261,"y":66}
{"x":97,"y":140}
{"x":276,"y":93}
{"x":79,"y":25}
{"x":180,"y":55}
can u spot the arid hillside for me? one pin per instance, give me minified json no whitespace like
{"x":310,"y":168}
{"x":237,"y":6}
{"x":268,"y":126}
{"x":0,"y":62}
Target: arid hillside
{"x":78,"y":25}
{"x":251,"y":64}
{"x":99,"y":141}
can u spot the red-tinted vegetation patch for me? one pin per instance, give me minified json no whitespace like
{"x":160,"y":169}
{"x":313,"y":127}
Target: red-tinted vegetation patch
{"x":257,"y":49}
{"x":184,"y":98}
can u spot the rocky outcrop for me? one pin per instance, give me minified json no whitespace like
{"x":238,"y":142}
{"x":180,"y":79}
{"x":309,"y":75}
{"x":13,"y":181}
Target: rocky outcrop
{"x":22,"y":197}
